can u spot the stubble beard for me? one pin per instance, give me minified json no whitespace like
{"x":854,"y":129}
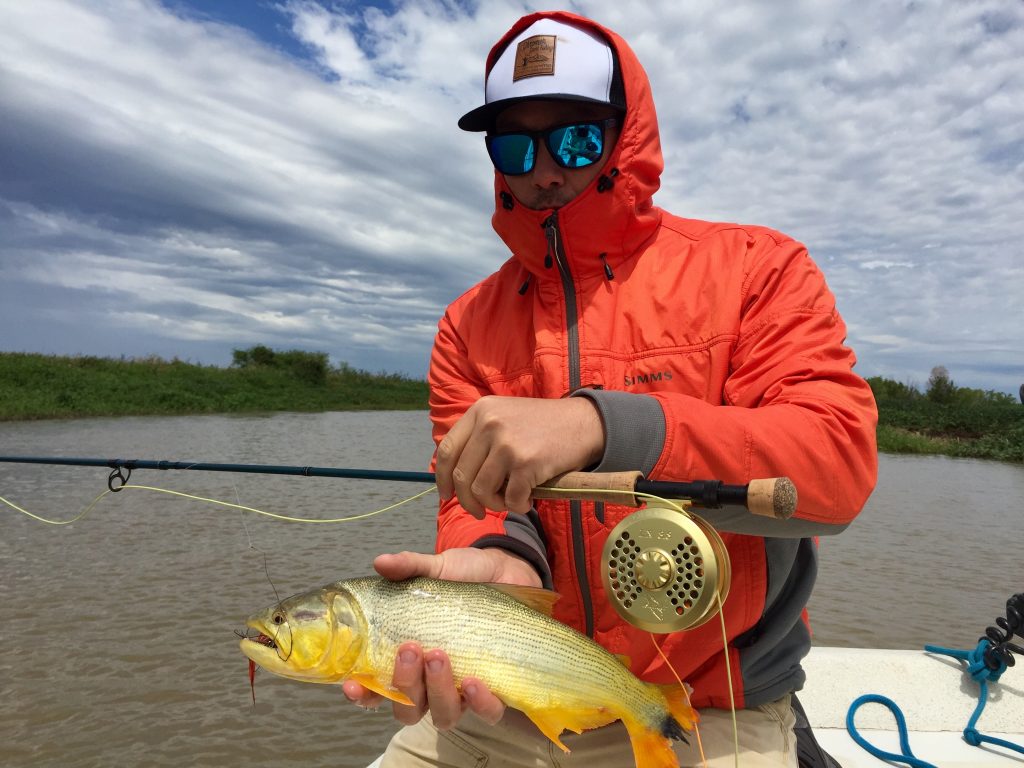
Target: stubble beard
{"x":544,"y":199}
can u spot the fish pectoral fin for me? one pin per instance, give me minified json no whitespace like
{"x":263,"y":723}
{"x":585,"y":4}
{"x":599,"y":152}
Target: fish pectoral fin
{"x":540,"y":600}
{"x":375,"y":685}
{"x":552,"y":722}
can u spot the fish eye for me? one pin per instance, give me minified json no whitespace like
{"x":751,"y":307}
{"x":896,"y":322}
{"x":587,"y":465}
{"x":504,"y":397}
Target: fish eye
{"x":278,"y":618}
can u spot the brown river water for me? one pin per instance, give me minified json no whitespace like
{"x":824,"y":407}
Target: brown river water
{"x":117,"y":631}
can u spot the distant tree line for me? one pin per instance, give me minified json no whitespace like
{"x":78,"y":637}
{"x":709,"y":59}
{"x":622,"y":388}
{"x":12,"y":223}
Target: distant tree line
{"x":945,"y":418}
{"x":940,"y":390}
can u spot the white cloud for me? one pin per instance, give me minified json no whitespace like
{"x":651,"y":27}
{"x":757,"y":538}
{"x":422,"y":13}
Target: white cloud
{"x":885,"y":264}
{"x":190,"y":179}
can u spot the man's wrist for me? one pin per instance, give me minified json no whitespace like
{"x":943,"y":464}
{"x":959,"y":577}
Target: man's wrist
{"x":634,"y":429}
{"x":592,"y":429}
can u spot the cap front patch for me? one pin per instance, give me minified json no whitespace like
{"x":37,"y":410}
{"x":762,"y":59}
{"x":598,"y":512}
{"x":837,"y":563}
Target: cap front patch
{"x":535,"y":56}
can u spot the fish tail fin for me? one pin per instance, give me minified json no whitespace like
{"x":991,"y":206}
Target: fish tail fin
{"x":668,"y":721}
{"x":651,"y":749}
{"x":683,"y":715}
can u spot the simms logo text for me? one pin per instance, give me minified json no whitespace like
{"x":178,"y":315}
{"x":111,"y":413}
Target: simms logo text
{"x":647,"y":378}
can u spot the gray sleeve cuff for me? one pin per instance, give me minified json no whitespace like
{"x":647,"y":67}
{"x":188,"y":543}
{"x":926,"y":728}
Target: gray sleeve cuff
{"x":521,"y":538}
{"x":634,"y":428}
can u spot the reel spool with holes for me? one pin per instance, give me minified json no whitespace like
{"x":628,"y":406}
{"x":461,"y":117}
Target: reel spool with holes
{"x":665,"y":570}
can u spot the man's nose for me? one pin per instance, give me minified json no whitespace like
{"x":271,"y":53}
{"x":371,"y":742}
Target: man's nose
{"x":546,"y":172}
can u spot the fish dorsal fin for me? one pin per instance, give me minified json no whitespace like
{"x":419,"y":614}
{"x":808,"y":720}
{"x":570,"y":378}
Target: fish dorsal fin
{"x":537,"y":598}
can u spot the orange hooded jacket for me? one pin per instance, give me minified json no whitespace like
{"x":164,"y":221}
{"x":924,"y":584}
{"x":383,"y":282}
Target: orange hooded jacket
{"x":711,"y":351}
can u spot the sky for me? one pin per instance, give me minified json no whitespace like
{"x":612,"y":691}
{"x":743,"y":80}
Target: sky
{"x":185,"y":178}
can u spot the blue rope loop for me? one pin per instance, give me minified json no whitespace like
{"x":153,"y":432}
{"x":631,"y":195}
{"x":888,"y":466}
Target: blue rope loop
{"x":906,"y":755}
{"x":979,"y":667}
{"x":982,"y":666}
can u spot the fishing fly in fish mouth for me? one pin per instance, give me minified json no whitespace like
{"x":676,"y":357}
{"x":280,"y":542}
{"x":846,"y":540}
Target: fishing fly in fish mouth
{"x":259,"y":637}
{"x":559,"y":678}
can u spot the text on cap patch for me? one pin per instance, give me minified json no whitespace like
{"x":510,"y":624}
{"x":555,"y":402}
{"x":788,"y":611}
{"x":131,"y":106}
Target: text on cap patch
{"x":535,"y":56}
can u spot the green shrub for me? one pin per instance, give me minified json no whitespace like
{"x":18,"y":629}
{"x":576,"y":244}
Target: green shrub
{"x":311,"y":367}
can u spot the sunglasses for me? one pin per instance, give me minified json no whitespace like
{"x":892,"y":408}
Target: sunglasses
{"x":574,"y":145}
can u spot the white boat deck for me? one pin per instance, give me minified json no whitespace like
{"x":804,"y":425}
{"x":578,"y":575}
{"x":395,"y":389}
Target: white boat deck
{"x":936,"y":697}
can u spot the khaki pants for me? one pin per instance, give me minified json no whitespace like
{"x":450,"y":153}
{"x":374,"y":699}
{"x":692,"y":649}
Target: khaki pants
{"x":766,"y":740}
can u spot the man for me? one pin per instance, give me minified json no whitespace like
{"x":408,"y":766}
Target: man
{"x":619,"y":336}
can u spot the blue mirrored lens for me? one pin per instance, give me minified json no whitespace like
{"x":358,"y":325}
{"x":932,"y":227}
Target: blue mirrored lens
{"x":576,"y":146}
{"x":512,"y":153}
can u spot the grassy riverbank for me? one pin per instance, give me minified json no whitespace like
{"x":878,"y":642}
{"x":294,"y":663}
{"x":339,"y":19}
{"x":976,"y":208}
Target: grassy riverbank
{"x":48,"y":387}
{"x":945,"y":419}
{"x":948,"y":420}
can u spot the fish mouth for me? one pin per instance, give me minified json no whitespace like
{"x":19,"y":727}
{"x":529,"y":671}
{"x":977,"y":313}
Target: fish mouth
{"x":261,"y":647}
{"x":263,"y":640}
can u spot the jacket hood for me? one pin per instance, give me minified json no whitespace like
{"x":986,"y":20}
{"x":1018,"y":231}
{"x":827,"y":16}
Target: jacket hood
{"x":612,"y":218}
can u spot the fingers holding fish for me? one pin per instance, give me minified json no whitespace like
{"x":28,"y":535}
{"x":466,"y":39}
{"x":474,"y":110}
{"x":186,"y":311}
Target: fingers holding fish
{"x":408,"y":678}
{"x":481,"y":701}
{"x":427,"y":679}
{"x":443,"y":699}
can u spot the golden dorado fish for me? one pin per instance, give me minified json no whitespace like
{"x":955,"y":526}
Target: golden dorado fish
{"x":501,"y":634}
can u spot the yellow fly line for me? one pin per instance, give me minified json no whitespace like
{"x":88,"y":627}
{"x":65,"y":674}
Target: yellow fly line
{"x":217,"y":502}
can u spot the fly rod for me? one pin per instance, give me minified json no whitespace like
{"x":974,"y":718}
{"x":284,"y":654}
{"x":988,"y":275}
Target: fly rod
{"x":770,"y":497}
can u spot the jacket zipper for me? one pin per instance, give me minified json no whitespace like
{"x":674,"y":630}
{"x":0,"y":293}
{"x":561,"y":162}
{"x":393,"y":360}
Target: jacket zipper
{"x":555,"y":249}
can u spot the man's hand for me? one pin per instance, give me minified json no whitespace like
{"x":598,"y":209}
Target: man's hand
{"x":483,"y":566}
{"x":426,"y":676}
{"x":504,"y":447}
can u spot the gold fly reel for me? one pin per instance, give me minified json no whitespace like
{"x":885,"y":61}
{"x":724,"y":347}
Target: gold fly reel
{"x":665,"y":570}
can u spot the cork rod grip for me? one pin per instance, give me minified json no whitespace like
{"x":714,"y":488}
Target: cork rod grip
{"x":772,"y":497}
{"x":624,"y":483}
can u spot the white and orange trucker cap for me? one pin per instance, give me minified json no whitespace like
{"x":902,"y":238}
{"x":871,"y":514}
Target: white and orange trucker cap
{"x":551,"y":60}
